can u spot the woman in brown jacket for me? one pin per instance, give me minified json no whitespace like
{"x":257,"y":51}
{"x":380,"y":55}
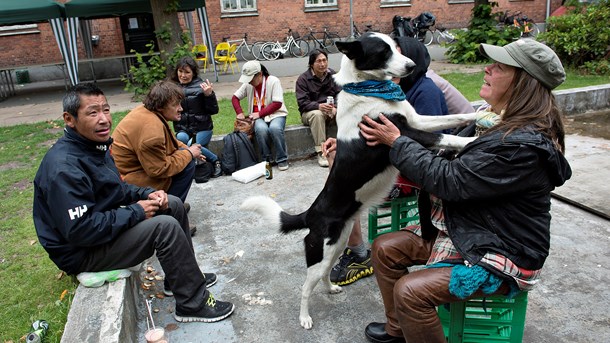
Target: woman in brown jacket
{"x":145,"y":150}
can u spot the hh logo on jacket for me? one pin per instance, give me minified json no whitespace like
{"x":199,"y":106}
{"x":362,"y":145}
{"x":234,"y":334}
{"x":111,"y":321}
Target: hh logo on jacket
{"x":77,"y":212}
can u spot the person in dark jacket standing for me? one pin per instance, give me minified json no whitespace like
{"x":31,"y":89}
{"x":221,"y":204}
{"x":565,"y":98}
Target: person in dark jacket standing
{"x":198,"y":106}
{"x":88,"y":219}
{"x":491,"y":203}
{"x":313,"y":89}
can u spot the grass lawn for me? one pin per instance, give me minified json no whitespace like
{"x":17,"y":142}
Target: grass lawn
{"x":31,"y":285}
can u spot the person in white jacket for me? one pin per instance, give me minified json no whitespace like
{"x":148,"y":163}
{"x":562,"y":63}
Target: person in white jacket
{"x":266,"y":106}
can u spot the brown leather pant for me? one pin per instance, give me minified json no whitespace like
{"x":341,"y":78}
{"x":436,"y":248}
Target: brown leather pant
{"x":410,"y":299}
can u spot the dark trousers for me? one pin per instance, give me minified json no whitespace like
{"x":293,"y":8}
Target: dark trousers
{"x":168,"y":235}
{"x":181,"y":182}
{"x":410,"y":299}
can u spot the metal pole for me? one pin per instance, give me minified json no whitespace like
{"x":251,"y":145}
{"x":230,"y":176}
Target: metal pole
{"x":351,"y":18}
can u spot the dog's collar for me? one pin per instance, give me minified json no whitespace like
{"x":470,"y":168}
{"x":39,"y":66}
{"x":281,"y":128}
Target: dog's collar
{"x":382,"y":89}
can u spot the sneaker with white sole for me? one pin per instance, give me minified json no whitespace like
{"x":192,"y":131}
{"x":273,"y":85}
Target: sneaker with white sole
{"x":212,"y":311}
{"x":322,"y":160}
{"x":210,"y":280}
{"x":283,"y":165}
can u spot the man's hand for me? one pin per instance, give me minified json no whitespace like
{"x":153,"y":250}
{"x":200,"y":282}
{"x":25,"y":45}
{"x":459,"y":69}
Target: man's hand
{"x":328,"y":109}
{"x":161,"y":197}
{"x":195,"y":149}
{"x":379,"y":133}
{"x":150,"y":207}
{"x":254,"y":115}
{"x":329,"y":146}
{"x":241,"y":115}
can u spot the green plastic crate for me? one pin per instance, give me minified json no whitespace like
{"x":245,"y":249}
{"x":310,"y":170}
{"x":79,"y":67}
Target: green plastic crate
{"x":496,"y":319}
{"x":392,"y":216}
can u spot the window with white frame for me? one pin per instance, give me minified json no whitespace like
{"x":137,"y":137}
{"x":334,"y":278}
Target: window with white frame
{"x":320,"y":3}
{"x":236,"y":6}
{"x":392,"y":3}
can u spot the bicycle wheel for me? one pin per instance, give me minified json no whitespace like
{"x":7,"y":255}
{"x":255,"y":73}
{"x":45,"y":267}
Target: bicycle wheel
{"x":256,"y":50}
{"x":425,"y":36}
{"x":245,"y":51}
{"x":444,"y":37}
{"x":300,"y":48}
{"x":270,"y":52}
{"x":329,"y":43}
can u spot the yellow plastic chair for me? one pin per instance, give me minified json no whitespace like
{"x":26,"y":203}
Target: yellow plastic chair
{"x":201,"y":55}
{"x":225,"y":54}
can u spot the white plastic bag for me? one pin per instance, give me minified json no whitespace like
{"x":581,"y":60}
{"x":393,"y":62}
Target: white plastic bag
{"x":96,"y":279}
{"x":251,"y":173}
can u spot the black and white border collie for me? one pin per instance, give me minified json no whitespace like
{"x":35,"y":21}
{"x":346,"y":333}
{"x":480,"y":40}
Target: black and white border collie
{"x":361,"y":176}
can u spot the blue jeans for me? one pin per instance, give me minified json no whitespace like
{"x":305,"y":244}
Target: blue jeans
{"x":273,"y":130}
{"x":202,"y":138}
{"x":181,"y":182}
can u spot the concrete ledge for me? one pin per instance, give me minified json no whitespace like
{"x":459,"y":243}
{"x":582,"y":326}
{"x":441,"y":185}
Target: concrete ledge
{"x":109,"y":313}
{"x":104,"y":314}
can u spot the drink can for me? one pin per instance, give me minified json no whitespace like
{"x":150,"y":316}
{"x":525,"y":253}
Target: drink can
{"x":40,"y":328}
{"x":330,"y":100}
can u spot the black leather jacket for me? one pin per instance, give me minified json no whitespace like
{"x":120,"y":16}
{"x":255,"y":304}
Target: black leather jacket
{"x":197,"y":109}
{"x":496,"y":192}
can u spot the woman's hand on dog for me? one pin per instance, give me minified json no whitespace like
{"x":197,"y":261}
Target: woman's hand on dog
{"x":379,"y":133}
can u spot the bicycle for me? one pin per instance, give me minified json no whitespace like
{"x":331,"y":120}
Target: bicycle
{"x":422,"y":26}
{"x":296,"y":46}
{"x":518,"y":21}
{"x":247,"y":52}
{"x":327,"y":42}
{"x":443,"y":36}
{"x":357,"y":33}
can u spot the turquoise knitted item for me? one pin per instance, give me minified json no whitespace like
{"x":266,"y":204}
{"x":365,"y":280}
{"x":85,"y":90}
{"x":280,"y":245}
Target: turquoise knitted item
{"x":467,"y":280}
{"x":381,"y":89}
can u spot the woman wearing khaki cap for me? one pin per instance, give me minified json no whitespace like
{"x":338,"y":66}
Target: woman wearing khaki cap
{"x":491,"y":215}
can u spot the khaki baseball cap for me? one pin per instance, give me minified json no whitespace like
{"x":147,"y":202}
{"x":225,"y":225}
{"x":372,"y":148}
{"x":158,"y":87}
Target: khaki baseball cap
{"x":535,"y":58}
{"x":248,"y":71}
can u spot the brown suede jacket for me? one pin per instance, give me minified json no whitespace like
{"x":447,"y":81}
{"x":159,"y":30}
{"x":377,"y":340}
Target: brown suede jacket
{"x":145,"y":150}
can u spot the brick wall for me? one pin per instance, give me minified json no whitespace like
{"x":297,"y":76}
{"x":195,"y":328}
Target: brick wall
{"x":271,"y":23}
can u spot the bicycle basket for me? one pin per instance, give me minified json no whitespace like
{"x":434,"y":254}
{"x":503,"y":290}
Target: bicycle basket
{"x":425,"y":19}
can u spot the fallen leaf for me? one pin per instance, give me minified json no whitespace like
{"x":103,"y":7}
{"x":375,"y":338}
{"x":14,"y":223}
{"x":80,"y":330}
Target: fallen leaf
{"x":60,"y":275}
{"x":63,"y":294}
{"x":33,"y":241}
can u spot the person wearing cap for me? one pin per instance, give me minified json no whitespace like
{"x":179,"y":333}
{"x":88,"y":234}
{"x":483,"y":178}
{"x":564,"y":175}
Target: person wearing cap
{"x":266,"y":106}
{"x":491,"y":206}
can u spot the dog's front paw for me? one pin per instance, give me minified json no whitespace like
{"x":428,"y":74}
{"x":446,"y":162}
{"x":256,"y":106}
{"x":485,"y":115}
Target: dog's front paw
{"x":306,"y":322}
{"x":334,"y":289}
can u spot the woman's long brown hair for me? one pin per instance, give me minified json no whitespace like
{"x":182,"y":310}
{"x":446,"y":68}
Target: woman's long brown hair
{"x":531,"y":103}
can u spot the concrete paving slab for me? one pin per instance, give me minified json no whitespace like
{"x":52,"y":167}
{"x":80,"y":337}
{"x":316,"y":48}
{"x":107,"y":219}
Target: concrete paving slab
{"x":569,"y":305}
{"x":589,"y":158}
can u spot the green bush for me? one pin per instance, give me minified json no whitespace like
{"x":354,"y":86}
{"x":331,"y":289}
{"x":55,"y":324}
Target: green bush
{"x":482,"y":29}
{"x":581,"y":37}
{"x":151,"y":67}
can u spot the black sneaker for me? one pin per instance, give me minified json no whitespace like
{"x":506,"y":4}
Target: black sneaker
{"x":210,"y":280}
{"x":351,"y":268}
{"x":217,"y":169}
{"x":213,"y":311}
{"x":187,"y":207}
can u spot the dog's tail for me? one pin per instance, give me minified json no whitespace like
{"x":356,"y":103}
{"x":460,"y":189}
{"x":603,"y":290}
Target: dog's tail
{"x":274,"y":215}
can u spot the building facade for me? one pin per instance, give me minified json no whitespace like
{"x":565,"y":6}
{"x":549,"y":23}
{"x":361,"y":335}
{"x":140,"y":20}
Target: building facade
{"x":28,"y":46}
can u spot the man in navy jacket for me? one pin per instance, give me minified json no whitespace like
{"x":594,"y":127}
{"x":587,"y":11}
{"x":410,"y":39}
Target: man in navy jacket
{"x":89,"y":220}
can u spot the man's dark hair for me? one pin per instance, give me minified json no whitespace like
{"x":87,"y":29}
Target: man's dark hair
{"x":313,"y":56}
{"x":71,"y":101}
{"x":161,"y":94}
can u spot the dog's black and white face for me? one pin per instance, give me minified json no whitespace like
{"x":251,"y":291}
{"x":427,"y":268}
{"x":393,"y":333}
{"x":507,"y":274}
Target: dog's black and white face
{"x":373,"y":56}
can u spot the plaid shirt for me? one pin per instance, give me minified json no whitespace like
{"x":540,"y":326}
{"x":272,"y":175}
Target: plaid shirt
{"x":443,"y":250}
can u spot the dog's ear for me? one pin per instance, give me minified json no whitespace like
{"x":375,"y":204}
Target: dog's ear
{"x":350,"y":49}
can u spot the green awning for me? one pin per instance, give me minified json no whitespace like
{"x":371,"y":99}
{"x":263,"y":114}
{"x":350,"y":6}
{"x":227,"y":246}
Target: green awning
{"x":89,"y":9}
{"x":13,"y":12}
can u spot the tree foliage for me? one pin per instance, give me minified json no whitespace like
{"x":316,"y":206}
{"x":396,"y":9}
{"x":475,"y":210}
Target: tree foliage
{"x":581,"y":37}
{"x":482,"y":29}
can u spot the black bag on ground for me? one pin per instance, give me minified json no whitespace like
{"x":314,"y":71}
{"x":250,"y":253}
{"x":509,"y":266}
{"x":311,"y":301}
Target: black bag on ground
{"x":238,"y":153}
{"x":204,"y":171}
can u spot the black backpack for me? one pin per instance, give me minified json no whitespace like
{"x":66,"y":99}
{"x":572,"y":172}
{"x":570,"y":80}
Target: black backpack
{"x":204,"y":171}
{"x":238,"y":153}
